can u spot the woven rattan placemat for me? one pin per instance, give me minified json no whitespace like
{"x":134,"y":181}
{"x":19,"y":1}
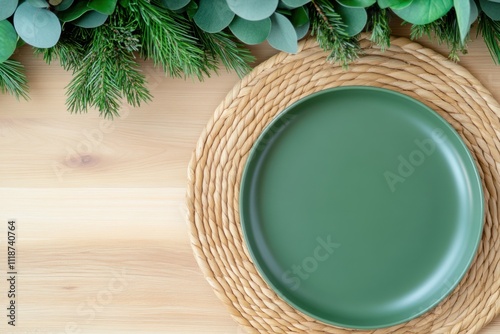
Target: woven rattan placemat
{"x":217,"y":164}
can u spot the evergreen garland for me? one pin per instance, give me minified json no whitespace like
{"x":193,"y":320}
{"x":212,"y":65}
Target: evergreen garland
{"x":99,"y":40}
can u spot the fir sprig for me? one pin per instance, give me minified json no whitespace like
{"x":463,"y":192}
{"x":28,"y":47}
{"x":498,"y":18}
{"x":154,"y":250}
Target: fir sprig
{"x":378,"y":24}
{"x":490,"y":30}
{"x":166,"y":38}
{"x":329,"y":29}
{"x":13,"y":79}
{"x":446,"y":31}
{"x":108,"y":71}
{"x":233,"y":55}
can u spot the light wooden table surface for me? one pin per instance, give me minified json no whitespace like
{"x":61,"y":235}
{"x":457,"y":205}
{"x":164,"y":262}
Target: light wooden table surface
{"x":103,"y":242}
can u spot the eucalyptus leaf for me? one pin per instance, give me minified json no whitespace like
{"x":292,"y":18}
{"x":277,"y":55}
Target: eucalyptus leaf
{"x":356,"y":3}
{"x":38,"y":27}
{"x":7,"y":8}
{"x":462,"y":10}
{"x":91,"y":19}
{"x":295,"y":3}
{"x":65,"y":4}
{"x":254,"y":10}
{"x":106,"y":7}
{"x":39,"y":3}
{"x":299,"y":17}
{"x":424,"y":11}
{"x":282,"y":35}
{"x":474,"y":12}
{"x":250,"y":32}
{"x":175,"y":4}
{"x":8,"y":40}
{"x":55,"y":2}
{"x":394,"y":4}
{"x":495,"y":0}
{"x":302,"y":30}
{"x":191,"y":9}
{"x":354,"y":18}
{"x":74,"y":12}
{"x":213,"y":15}
{"x":492,"y":9}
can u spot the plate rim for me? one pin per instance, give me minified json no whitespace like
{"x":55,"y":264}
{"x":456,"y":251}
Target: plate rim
{"x":254,"y":152}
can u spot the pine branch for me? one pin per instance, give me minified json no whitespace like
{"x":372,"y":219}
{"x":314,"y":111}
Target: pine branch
{"x":108,"y":71}
{"x":490,"y":30}
{"x":330,"y":32}
{"x":167,"y":38}
{"x":445,"y":30}
{"x":13,"y":79}
{"x":378,"y":24}
{"x":233,"y":55}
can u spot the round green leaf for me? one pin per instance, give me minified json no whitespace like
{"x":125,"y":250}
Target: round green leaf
{"x":250,"y":32}
{"x":8,"y":40}
{"x":65,"y":4}
{"x":356,"y":3}
{"x":354,"y":18}
{"x":106,"y":7}
{"x":39,"y":3}
{"x":462,"y":10}
{"x":38,"y":27}
{"x":174,"y":4}
{"x":254,"y":10}
{"x":302,"y":30}
{"x":282,"y":35}
{"x":424,"y":11}
{"x":74,"y":12}
{"x":295,"y":3}
{"x":7,"y":8}
{"x":492,"y":9}
{"x":474,"y":12}
{"x":394,"y":4}
{"x":299,"y":16}
{"x":91,"y":19}
{"x":213,"y":15}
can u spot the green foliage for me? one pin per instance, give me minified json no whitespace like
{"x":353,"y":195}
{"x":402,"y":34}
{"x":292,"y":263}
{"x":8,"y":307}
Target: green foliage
{"x":446,"y":31}
{"x":13,"y":80}
{"x":108,"y":71}
{"x":378,"y":24}
{"x":98,"y":39}
{"x":490,"y":30}
{"x":330,"y":31}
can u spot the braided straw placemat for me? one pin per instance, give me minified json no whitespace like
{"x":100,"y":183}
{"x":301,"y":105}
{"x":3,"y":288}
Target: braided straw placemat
{"x":217,"y":164}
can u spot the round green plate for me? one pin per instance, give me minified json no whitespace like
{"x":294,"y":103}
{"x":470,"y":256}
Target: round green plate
{"x":361,"y":207}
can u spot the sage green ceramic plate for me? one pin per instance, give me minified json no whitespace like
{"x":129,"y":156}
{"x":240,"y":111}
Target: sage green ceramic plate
{"x":361,"y":207}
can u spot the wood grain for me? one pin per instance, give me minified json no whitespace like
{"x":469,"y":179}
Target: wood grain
{"x":102,"y":237}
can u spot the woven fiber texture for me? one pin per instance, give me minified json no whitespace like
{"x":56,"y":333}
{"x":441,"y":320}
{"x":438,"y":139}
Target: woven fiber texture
{"x":216,"y":167}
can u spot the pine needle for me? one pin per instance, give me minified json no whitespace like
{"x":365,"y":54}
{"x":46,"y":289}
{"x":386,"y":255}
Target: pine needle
{"x":378,"y":24}
{"x":167,"y":38}
{"x":108,"y":71}
{"x":13,"y":79}
{"x":490,"y":30}
{"x":233,"y":55}
{"x":446,"y":31}
{"x":330,"y":33}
